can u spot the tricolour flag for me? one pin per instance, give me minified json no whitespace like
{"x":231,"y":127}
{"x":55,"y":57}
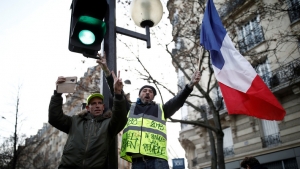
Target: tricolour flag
{"x":244,"y":92}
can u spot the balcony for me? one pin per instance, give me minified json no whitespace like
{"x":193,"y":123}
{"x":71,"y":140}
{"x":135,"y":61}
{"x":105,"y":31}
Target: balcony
{"x":283,"y":76}
{"x":228,"y":151}
{"x":230,"y":6}
{"x":271,"y":140}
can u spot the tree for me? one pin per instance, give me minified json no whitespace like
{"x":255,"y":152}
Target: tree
{"x":9,"y":147}
{"x":19,"y":152}
{"x":30,"y":153}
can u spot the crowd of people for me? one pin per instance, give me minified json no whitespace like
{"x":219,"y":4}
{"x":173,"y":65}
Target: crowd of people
{"x":144,"y":140}
{"x":91,"y":132}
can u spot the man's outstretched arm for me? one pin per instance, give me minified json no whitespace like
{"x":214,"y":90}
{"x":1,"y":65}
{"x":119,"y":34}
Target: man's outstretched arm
{"x":174,"y":104}
{"x":109,"y":78}
{"x":56,"y":117}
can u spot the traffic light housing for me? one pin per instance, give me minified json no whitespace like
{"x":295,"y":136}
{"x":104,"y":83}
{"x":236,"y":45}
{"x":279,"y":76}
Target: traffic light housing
{"x":87,"y":28}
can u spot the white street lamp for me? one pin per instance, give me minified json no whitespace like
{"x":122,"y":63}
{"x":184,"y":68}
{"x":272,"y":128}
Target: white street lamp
{"x":146,"y":12}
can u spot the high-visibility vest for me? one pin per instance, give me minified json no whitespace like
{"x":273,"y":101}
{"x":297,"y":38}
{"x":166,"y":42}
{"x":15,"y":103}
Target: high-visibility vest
{"x":144,"y":134}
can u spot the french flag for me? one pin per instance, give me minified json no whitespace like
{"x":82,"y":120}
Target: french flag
{"x":244,"y":92}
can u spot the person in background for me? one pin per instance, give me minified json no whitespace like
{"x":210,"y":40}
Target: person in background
{"x":251,"y":163}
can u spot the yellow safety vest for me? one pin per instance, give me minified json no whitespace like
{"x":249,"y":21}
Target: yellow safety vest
{"x":144,"y":134}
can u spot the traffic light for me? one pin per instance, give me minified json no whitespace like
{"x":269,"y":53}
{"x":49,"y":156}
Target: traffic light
{"x":87,"y":28}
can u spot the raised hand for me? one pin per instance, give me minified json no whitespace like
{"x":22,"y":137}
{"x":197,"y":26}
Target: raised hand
{"x":195,"y":79}
{"x":118,"y":84}
{"x":103,"y":64}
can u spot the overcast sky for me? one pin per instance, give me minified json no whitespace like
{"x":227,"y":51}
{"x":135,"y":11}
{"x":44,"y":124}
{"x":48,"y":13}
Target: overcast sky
{"x":34,"y":52}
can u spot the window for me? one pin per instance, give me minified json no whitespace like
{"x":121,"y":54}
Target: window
{"x":184,"y":115}
{"x":294,"y":8}
{"x":228,"y":142}
{"x":270,"y":127}
{"x":271,"y":133}
{"x":219,"y":102}
{"x":263,"y":69}
{"x":181,"y":80}
{"x":250,"y":35}
{"x":175,"y":18}
{"x":179,"y":44}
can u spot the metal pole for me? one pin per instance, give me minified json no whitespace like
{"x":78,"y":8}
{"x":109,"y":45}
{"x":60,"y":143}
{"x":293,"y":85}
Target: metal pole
{"x":110,"y":50}
{"x":136,"y":35}
{"x":110,"y":47}
{"x":148,"y":36}
{"x":111,"y":59}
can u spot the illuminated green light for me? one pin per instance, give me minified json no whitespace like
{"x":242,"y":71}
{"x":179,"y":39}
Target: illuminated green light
{"x":86,"y":37}
{"x":90,"y":20}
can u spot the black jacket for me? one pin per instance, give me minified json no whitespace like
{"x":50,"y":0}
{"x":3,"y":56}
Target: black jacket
{"x":89,"y":138}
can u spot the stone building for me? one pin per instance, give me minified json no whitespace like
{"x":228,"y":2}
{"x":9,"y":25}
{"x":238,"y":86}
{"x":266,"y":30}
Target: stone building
{"x":45,"y":148}
{"x":267,"y":33}
{"x":49,"y":142}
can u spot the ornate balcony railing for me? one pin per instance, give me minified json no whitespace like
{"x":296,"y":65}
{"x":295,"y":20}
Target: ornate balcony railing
{"x":271,"y":140}
{"x":230,"y":6}
{"x":228,"y":151}
{"x":283,"y":74}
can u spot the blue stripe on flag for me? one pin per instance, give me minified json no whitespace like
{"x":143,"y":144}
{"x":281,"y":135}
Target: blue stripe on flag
{"x":212,"y":34}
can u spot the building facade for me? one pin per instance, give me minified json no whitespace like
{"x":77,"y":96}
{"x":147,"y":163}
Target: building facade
{"x":267,"y":33}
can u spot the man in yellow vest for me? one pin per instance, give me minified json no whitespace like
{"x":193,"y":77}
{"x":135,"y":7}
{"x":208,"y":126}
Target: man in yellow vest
{"x":144,"y":139}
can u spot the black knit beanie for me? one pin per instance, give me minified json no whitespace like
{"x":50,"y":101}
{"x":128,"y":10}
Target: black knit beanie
{"x":147,"y":86}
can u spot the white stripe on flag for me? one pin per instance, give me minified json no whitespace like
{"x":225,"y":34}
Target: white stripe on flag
{"x":237,"y":72}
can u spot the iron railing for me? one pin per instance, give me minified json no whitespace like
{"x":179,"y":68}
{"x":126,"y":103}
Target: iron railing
{"x":283,"y":74}
{"x":271,"y":140}
{"x":229,"y":7}
{"x":228,"y":151}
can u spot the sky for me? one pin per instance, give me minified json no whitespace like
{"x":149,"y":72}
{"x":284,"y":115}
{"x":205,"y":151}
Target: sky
{"x":34,"y":52}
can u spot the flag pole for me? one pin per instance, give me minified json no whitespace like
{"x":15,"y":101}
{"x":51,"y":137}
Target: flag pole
{"x":200,"y":57}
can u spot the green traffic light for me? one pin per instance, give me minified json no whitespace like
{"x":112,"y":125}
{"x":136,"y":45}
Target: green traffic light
{"x":90,"y":20}
{"x":86,"y":37}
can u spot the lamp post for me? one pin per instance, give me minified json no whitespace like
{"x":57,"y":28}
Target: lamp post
{"x":145,"y":14}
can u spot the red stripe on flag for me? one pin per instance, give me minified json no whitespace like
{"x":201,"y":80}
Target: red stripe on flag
{"x":259,"y":101}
